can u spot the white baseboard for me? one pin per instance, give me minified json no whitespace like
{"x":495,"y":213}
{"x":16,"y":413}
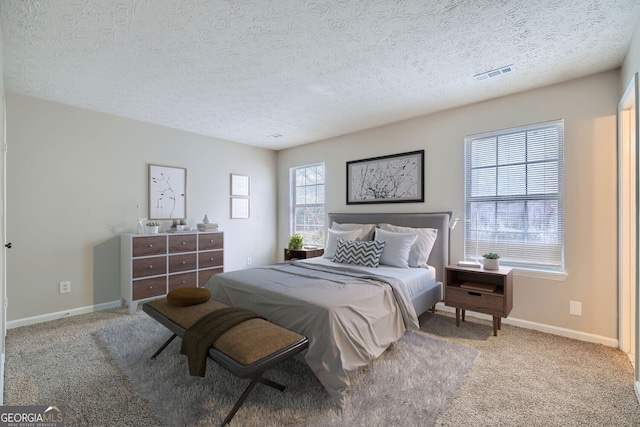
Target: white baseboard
{"x":60,"y":314}
{"x":554,"y":330}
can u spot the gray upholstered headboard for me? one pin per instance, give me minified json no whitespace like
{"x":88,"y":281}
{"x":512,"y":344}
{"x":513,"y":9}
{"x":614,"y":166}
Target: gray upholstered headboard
{"x":439,"y":257}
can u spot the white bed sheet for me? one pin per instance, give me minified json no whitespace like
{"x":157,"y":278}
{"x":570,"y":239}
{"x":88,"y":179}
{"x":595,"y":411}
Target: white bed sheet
{"x":415,"y":279}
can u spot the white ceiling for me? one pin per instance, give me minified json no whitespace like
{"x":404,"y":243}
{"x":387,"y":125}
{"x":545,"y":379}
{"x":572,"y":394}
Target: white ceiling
{"x":304,"y":69}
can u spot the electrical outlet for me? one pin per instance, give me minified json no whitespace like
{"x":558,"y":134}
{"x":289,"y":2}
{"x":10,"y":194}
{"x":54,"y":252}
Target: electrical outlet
{"x":575,"y":308}
{"x":248,"y":260}
{"x":65,"y":287}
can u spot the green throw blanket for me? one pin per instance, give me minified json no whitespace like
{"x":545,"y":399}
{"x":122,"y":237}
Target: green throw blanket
{"x":201,"y":335}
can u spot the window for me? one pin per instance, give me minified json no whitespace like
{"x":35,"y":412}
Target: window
{"x":513,"y":196}
{"x":307,"y":203}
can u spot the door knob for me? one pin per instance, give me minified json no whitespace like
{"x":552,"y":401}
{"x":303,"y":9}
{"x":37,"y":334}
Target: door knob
{"x":8,"y":245}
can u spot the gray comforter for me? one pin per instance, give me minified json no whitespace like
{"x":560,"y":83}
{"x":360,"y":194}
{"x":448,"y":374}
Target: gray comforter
{"x":350,"y":317}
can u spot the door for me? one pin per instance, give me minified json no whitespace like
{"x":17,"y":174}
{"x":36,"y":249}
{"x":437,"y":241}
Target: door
{"x":3,"y":233}
{"x":628,"y":220}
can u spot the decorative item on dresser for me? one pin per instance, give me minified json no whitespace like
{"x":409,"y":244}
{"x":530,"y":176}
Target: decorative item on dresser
{"x":484,"y":291}
{"x":152,"y":265}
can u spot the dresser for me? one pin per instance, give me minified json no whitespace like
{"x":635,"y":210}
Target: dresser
{"x":154,"y":264}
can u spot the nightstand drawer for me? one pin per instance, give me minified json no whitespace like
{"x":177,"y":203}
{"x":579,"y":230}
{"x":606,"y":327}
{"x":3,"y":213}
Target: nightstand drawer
{"x":491,"y":304}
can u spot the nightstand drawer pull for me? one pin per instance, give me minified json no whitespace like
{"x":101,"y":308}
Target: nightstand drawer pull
{"x":475,"y":294}
{"x":184,"y":262}
{"x":151,"y":266}
{"x":183,"y":243}
{"x":150,"y":245}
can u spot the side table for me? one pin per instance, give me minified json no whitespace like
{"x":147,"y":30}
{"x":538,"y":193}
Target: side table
{"x":294,"y":254}
{"x":476,"y":289}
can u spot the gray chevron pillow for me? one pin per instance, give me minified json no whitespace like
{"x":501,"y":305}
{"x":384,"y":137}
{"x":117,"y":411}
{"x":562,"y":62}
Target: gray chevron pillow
{"x":359,"y":252}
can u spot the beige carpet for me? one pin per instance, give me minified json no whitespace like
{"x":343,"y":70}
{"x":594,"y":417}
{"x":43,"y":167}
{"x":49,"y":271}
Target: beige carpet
{"x":528,"y":378}
{"x":520,"y":378}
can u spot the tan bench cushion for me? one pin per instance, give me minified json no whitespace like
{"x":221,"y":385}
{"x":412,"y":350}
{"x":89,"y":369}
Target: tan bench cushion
{"x":245,"y":343}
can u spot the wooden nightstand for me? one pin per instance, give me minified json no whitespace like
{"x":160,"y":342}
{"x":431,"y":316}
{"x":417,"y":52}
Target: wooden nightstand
{"x":476,"y":289}
{"x":295,"y":254}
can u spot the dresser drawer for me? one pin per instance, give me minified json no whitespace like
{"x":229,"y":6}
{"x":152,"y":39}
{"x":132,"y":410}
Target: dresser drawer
{"x":182,"y":243}
{"x":210,"y":259}
{"x":183,"y":280}
{"x":491,"y":304}
{"x":149,"y":266}
{"x":208,"y":241}
{"x":205,"y":275}
{"x":146,"y":246}
{"x":182,"y":262}
{"x":146,"y":288}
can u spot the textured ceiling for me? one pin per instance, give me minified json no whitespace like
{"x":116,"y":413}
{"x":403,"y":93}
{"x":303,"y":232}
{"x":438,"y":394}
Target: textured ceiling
{"x":303,"y":69}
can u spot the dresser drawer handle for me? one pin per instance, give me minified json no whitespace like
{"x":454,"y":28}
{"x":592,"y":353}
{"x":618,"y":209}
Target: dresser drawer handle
{"x":150,"y":245}
{"x":183,"y":282}
{"x":184,"y":262}
{"x":211,"y":241}
{"x":211,"y":259}
{"x":150,"y":287}
{"x":151,"y":266}
{"x":183,"y":243}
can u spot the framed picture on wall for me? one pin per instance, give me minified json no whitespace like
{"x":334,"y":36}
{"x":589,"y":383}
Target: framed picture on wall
{"x":167,"y":192}
{"x":397,"y":178}
{"x":239,"y":208}
{"x":239,"y":185}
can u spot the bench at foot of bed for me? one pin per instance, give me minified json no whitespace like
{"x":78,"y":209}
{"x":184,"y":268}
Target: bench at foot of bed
{"x":246,"y":350}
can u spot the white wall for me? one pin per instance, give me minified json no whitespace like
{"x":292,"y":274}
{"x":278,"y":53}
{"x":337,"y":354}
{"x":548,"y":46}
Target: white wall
{"x":74,"y":178}
{"x":631,"y":63}
{"x":588,"y":107}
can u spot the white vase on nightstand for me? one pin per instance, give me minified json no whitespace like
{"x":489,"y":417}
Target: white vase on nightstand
{"x":491,"y":264}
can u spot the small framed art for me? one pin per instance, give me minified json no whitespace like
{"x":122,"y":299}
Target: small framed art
{"x":239,"y":208}
{"x":239,"y":185}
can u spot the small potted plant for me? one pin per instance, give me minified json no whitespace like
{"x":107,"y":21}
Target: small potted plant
{"x":491,"y":261}
{"x":295,"y":242}
{"x":152,"y":227}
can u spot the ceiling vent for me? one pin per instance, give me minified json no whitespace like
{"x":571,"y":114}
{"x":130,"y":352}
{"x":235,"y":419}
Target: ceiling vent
{"x":495,"y":73}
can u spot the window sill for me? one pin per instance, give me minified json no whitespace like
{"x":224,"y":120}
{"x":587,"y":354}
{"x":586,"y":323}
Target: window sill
{"x":557,"y":276}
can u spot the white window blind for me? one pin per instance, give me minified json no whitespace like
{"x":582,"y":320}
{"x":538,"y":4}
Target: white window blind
{"x":513,"y":196}
{"x":307,"y":203}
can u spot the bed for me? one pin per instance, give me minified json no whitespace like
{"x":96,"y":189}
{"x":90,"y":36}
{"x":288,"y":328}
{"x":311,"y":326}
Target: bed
{"x":350,"y":313}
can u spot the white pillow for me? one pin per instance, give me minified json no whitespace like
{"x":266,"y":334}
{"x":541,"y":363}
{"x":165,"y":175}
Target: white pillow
{"x":397,"y":247}
{"x":421,"y":248}
{"x":332,"y":240}
{"x":365,"y":230}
